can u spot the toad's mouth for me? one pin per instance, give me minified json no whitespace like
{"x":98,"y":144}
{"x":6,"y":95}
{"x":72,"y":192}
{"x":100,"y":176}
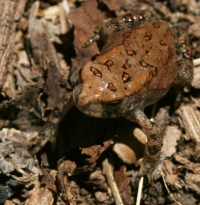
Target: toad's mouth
{"x":95,"y":108}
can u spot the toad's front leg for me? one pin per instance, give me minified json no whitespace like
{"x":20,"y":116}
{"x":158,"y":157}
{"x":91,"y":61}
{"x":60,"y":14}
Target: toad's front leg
{"x":152,"y":160}
{"x":49,"y":131}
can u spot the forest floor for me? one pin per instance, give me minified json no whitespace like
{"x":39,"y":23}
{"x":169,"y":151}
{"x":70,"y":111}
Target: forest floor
{"x":41,"y":55}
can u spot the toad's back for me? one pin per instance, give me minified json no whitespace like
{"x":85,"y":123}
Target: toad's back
{"x":148,"y":49}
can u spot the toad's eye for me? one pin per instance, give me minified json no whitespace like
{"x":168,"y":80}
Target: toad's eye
{"x":114,"y":104}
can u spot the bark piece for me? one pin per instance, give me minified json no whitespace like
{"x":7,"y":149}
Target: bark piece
{"x":7,"y":10}
{"x":11,"y":11}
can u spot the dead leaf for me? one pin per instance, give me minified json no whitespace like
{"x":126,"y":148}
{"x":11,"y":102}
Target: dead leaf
{"x":85,"y":19}
{"x":115,"y":4}
{"x":65,"y":169}
{"x":48,"y":180}
{"x":170,"y":177}
{"x":94,"y":152}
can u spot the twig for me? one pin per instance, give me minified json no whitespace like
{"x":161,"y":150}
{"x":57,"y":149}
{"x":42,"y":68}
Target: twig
{"x":107,"y":167}
{"x":66,"y":6}
{"x":171,"y":195}
{"x":139,"y":194}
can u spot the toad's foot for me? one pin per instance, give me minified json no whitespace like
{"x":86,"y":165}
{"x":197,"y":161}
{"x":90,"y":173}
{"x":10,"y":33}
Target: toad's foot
{"x":151,"y":167}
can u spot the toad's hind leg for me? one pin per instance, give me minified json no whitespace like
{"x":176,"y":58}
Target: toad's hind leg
{"x":184,"y":57}
{"x":129,"y":20}
{"x":50,"y":129}
{"x":152,"y":160}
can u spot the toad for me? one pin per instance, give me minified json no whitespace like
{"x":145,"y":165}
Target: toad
{"x":142,"y":58}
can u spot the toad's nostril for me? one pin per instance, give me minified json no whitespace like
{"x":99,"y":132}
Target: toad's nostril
{"x":114,"y":103}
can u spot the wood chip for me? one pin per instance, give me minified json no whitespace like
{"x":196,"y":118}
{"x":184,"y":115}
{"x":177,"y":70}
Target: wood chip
{"x":190,"y":118}
{"x":172,"y":135}
{"x":196,"y":79}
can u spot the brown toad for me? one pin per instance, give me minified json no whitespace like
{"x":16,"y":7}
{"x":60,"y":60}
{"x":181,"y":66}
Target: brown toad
{"x":141,"y":60}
